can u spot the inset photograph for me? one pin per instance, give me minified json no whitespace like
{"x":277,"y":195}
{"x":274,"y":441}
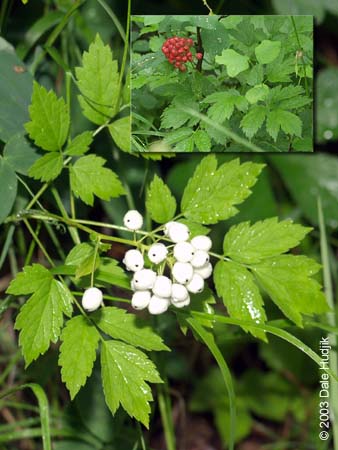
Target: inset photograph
{"x":222,"y":83}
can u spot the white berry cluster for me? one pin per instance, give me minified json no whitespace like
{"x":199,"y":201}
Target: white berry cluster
{"x":188,"y":260}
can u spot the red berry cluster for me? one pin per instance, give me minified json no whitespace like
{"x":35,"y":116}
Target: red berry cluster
{"x":177,"y":51}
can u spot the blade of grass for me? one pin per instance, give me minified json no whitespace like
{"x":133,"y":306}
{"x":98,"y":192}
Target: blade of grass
{"x":43,"y":408}
{"x":331,"y":318}
{"x":209,"y":341}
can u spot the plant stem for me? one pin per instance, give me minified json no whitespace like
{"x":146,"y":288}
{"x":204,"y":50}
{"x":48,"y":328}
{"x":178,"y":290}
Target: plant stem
{"x":72,"y":231}
{"x":166,"y":418}
{"x":39,"y":243}
{"x":114,"y":18}
{"x":302,"y":57}
{"x":94,"y":262}
{"x":37,"y":196}
{"x":331,"y":318}
{"x":207,"y":6}
{"x":124,"y":57}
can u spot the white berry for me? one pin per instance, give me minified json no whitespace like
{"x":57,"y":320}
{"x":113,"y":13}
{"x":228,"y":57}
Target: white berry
{"x":166,"y":227}
{"x":133,"y":220}
{"x":133,"y":260}
{"x":144,"y":279}
{"x":205,"y":271}
{"x":92,"y":299}
{"x":200,"y":259}
{"x":184,"y":252}
{"x":157,"y":253}
{"x":179,"y":292}
{"x":180,"y":303}
{"x":158,"y":305}
{"x":201,"y":243}
{"x":140,"y":299}
{"x":182,"y":272}
{"x":162,"y":286}
{"x":178,"y":232}
{"x":196,"y":284}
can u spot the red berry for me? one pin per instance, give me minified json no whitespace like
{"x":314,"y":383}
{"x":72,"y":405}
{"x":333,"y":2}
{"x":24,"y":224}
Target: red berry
{"x":182,"y":68}
{"x":184,"y":59}
{"x":177,"y":64}
{"x":190,"y":42}
{"x":199,"y":55}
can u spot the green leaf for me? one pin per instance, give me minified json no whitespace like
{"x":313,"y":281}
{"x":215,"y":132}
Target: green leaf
{"x":287,"y":280}
{"x":212,"y":192}
{"x":202,"y":141}
{"x":118,"y":324}
{"x":48,"y":167}
{"x":89,"y":178}
{"x":120,"y":131}
{"x":257,"y":93}
{"x":287,"y":121}
{"x":234,"y":62}
{"x":50,"y":119}
{"x":268,"y":51}
{"x":186,"y":145}
{"x":111,"y":273}
{"x":236,"y":286}
{"x":20,"y":153}
{"x":173,"y":117}
{"x":253,"y":120}
{"x":82,"y":257}
{"x":77,"y":352}
{"x":8,"y":188}
{"x":172,"y":137}
{"x":80,"y":144}
{"x":264,"y":239}
{"x":98,"y":80}
{"x":40,"y":319}
{"x":125,"y":371}
{"x":160,"y":203}
{"x":224,"y":104}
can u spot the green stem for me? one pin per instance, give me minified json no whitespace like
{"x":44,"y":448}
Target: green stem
{"x":114,"y":18}
{"x":124,"y":57}
{"x":302,"y":57}
{"x":3,"y":15}
{"x":94,"y":262}
{"x":29,"y":254}
{"x":207,"y":6}
{"x":331,"y":318}
{"x":37,"y":196}
{"x":72,"y":231}
{"x":166,"y":418}
{"x":105,"y":297}
{"x":39,"y":243}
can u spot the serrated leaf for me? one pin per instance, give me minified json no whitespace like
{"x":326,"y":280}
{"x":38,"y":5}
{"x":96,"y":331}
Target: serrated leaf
{"x":287,"y":121}
{"x":202,"y":141}
{"x":50,"y":119}
{"x":89,"y":178}
{"x":236,"y":286}
{"x":173,"y":117}
{"x":224,"y":104}
{"x":82,"y":256}
{"x":120,"y":131}
{"x":125,"y":371}
{"x":77,"y":352}
{"x":267,"y":51}
{"x":212,"y":192}
{"x":98,"y":80}
{"x":80,"y":144}
{"x":287,"y":280}
{"x":234,"y":62}
{"x":186,"y":145}
{"x":48,"y":167}
{"x":160,"y":203}
{"x":110,"y":272}
{"x":249,"y":244}
{"x":257,"y":93}
{"x":253,"y":120}
{"x":118,"y":324}
{"x":41,"y":317}
{"x":173,"y":137}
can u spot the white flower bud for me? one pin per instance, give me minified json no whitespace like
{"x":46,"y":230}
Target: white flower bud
{"x":184,"y":252}
{"x":196,"y":284}
{"x":144,"y":279}
{"x":179,"y":292}
{"x":157,"y":253}
{"x":158,"y":305}
{"x":182,"y":272}
{"x":180,"y":303}
{"x":92,"y":299}
{"x":133,"y":220}
{"x":178,"y":232}
{"x":201,"y":243}
{"x":204,"y":271}
{"x":133,"y":260}
{"x":200,"y":259}
{"x":162,"y":286}
{"x":140,"y":299}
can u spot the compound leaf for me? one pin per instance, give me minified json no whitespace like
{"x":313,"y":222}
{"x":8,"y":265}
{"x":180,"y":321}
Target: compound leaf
{"x":98,"y":80}
{"x":234,"y":62}
{"x":160,"y":203}
{"x":268,"y":51}
{"x":287,"y":121}
{"x":82,"y":256}
{"x":80,"y":144}
{"x":202,"y":141}
{"x":212,"y":192}
{"x":50,"y":119}
{"x":118,"y":324}
{"x":249,"y":244}
{"x":253,"y":120}
{"x":48,"y":167}
{"x":89,"y":178}
{"x":125,"y":371}
{"x":120,"y":131}
{"x":77,"y":352}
